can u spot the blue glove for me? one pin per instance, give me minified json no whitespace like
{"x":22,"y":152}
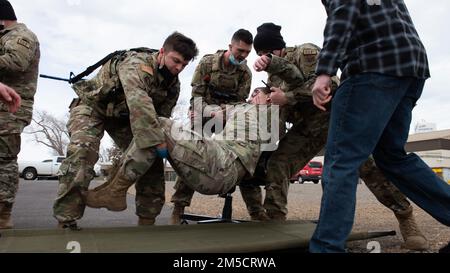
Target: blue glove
{"x":162,"y":152}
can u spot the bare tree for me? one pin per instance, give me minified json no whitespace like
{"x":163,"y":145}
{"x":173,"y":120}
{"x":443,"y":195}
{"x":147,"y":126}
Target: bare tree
{"x":114,"y":155}
{"x":180,"y":111}
{"x":103,"y":154}
{"x":49,"y":131}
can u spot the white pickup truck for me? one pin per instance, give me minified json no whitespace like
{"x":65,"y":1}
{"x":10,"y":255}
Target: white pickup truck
{"x":30,"y":170}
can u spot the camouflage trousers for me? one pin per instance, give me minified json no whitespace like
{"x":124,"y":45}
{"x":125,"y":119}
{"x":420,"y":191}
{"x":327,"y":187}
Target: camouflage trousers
{"x":183,"y":193}
{"x":9,"y":176}
{"x":283,"y":161}
{"x":86,"y":127}
{"x":204,"y":164}
{"x":302,"y":143}
{"x":11,"y":128}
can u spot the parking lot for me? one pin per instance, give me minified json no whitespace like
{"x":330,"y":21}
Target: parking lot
{"x":33,"y":209}
{"x":304,"y":204}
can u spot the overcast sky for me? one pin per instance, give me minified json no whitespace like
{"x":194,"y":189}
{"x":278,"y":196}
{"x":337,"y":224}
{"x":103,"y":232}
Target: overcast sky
{"x":77,"y":33}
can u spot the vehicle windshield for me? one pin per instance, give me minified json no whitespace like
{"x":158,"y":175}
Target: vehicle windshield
{"x":315,"y":164}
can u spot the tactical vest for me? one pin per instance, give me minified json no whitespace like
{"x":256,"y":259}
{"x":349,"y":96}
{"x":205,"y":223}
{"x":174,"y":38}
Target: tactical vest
{"x":304,"y":57}
{"x":223,"y":86}
{"x":105,"y":90}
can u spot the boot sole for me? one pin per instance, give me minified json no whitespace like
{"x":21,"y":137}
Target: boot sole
{"x":417,"y":244}
{"x":107,"y":207}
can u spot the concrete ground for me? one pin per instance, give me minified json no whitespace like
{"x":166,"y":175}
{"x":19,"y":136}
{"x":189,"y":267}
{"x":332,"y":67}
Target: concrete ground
{"x":33,"y":210}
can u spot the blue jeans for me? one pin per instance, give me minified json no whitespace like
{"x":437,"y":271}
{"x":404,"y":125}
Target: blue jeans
{"x":371,"y":114}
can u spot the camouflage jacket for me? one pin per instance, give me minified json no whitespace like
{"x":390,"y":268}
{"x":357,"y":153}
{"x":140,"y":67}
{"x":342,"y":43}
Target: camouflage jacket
{"x":246,"y":131}
{"x":295,"y":72}
{"x":130,"y":85}
{"x":19,"y":65}
{"x":219,"y":85}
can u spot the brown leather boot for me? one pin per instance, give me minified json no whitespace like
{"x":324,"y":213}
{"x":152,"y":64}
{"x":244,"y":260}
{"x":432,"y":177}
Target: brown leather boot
{"x":5,"y":215}
{"x":146,"y":221}
{"x":260,"y":216}
{"x":414,"y":239}
{"x":111,"y":196}
{"x":276,"y":216}
{"x":445,"y":249}
{"x":175,"y":218}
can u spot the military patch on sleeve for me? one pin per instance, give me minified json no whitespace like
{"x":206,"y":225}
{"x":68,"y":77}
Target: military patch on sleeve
{"x":310,"y":55}
{"x":147,"y":69}
{"x":24,"y":43}
{"x":310,"y":51}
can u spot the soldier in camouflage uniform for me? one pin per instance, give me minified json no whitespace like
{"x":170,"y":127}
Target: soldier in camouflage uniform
{"x":124,"y":99}
{"x":10,"y":97}
{"x":19,"y":63}
{"x":209,"y":165}
{"x":292,"y":73}
{"x":220,"y":79}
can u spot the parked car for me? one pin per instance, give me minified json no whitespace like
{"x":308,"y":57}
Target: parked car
{"x":311,"y":172}
{"x":30,"y":170}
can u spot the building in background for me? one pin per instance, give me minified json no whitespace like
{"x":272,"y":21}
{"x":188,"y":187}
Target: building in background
{"x":424,"y":127}
{"x":434,"y":148}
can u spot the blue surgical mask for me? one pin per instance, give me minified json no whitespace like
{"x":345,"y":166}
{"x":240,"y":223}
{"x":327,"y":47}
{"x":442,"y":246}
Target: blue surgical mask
{"x":235,"y":62}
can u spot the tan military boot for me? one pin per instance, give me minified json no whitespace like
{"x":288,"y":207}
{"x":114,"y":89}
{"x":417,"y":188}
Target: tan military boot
{"x":146,"y":221}
{"x":175,"y":218}
{"x":260,"y":216}
{"x":445,"y":249}
{"x":5,"y":215}
{"x":112,"y":196}
{"x":414,"y":239}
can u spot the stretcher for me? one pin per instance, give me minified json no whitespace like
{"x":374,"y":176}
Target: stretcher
{"x":248,"y":237}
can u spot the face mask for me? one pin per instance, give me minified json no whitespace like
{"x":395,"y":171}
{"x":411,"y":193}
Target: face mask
{"x":235,"y":62}
{"x":165,"y":72}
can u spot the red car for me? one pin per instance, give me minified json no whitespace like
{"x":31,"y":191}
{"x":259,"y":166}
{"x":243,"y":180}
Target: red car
{"x":311,"y":172}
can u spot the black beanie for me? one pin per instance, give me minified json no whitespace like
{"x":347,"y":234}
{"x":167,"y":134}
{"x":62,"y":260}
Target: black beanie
{"x":7,"y":11}
{"x":268,"y":37}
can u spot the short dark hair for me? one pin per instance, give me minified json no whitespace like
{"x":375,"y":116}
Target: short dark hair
{"x":243,"y":35}
{"x":181,"y":44}
{"x":264,"y":89}
{"x":256,"y":91}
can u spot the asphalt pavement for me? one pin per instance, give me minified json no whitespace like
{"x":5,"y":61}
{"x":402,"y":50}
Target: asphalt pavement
{"x":33,"y":209}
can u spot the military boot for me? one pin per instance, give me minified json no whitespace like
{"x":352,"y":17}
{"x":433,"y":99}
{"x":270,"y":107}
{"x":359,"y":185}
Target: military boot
{"x":445,"y":249}
{"x":414,"y":239}
{"x":146,"y":221}
{"x":112,"y":196}
{"x":72,"y":225}
{"x":260,"y":216}
{"x":175,"y":218}
{"x":5,"y":215}
{"x":276,"y":216}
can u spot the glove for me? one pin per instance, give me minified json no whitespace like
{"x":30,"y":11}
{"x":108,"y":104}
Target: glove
{"x":161,"y":151}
